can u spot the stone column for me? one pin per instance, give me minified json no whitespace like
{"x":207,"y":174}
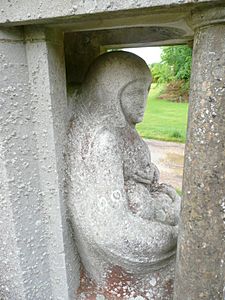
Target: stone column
{"x":201,"y":247}
{"x":37,"y":256}
{"x":46,"y":68}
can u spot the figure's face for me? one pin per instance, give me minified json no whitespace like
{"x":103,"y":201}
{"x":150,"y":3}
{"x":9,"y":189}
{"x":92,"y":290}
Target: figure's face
{"x":134,"y":99}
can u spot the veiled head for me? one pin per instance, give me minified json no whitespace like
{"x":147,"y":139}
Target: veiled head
{"x":116,"y":87}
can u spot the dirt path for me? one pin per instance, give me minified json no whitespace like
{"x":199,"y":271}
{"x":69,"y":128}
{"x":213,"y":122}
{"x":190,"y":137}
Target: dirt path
{"x":169,"y":158}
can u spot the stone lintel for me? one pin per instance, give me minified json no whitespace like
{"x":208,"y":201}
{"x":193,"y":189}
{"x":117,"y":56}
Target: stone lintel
{"x":30,"y":12}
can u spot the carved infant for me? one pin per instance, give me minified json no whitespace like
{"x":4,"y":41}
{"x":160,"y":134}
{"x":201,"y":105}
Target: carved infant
{"x":146,"y":197}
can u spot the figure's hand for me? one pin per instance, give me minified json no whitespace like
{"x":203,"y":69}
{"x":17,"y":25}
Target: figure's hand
{"x":170,"y":191}
{"x":170,"y":202}
{"x":149,"y":176}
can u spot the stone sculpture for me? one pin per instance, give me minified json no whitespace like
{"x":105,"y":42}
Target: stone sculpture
{"x":124,"y":221}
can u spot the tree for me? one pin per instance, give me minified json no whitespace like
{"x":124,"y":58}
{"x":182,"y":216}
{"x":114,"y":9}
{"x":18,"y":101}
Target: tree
{"x":179,"y":58}
{"x":175,"y":64}
{"x":161,"y":73}
{"x":174,"y":70}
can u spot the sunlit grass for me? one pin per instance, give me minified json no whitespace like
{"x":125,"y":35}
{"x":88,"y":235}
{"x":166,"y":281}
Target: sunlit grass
{"x":164,"y":120}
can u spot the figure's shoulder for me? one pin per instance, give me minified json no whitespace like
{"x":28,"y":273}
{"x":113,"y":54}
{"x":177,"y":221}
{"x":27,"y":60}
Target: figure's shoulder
{"x":105,"y":138}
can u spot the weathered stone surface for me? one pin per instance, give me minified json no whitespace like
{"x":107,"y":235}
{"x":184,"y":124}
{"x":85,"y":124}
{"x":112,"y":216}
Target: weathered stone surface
{"x":46,"y":66}
{"x":27,"y":11}
{"x":34,"y":263}
{"x":124,"y":221}
{"x":200,"y":262}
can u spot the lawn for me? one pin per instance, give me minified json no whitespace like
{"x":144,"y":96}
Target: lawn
{"x":163,"y":120}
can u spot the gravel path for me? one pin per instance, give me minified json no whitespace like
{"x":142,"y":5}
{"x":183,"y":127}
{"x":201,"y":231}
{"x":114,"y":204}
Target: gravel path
{"x":169,"y":158}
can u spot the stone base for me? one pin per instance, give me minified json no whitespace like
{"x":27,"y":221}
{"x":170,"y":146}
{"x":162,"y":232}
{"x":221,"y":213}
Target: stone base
{"x":157,"y":285}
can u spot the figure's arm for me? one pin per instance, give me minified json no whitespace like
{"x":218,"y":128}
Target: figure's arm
{"x":149,"y":176}
{"x":169,"y":202}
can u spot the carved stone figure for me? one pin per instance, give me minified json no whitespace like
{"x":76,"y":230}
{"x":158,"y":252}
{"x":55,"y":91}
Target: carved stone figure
{"x":124,"y":221}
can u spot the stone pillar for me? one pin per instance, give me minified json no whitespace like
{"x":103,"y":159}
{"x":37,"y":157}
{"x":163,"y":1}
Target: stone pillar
{"x":37,"y":263}
{"x":201,"y":247}
{"x":46,"y":66}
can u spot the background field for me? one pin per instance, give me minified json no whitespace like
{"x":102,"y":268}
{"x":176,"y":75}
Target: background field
{"x":163,"y":120}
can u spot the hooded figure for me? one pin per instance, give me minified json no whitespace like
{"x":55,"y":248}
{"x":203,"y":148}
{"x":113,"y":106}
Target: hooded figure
{"x":121,"y":215}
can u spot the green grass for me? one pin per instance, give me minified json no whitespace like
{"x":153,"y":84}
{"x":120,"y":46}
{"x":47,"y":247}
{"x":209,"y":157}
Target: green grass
{"x":163,"y":120}
{"x":179,"y":192}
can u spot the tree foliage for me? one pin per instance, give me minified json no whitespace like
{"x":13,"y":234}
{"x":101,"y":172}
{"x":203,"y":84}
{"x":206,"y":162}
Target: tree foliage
{"x":175,"y":65}
{"x":161,"y":73}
